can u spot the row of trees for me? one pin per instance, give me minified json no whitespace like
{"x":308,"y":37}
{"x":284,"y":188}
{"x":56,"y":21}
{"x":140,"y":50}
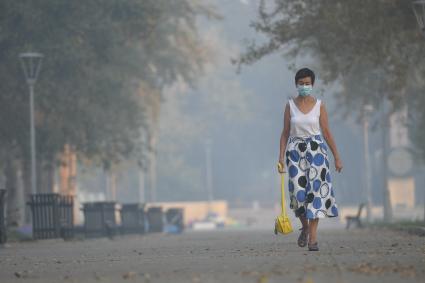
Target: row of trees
{"x":372,"y":49}
{"x":98,"y":96}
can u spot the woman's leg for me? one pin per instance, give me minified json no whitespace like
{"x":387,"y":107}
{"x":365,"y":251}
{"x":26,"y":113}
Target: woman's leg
{"x":303,"y":237}
{"x":313,"y":230}
{"x":304,"y":221}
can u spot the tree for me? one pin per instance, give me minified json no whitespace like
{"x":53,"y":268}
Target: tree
{"x":373,"y":49}
{"x":98,"y":54}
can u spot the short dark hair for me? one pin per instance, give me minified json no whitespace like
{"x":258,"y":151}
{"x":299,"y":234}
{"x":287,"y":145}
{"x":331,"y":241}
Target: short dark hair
{"x":304,"y":73}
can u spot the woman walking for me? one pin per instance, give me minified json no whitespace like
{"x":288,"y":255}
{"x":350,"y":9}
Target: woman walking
{"x":304,"y":152}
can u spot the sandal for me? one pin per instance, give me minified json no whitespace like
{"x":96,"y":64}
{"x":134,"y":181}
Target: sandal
{"x":302,"y":239}
{"x":314,"y":247}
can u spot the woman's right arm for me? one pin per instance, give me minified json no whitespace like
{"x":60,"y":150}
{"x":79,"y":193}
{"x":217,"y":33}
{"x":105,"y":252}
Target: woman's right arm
{"x":284,"y":136}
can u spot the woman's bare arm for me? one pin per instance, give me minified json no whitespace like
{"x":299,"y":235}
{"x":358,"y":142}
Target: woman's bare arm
{"x":285,"y":135}
{"x":324,"y":125}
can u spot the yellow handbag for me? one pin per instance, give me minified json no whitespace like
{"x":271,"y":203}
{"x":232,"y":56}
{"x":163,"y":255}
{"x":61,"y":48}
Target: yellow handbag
{"x":282,"y":223}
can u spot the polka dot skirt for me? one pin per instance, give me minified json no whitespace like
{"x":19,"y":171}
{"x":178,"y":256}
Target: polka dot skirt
{"x":310,"y":186}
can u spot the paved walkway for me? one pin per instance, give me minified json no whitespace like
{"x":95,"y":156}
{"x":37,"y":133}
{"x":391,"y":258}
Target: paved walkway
{"x":220,"y":256}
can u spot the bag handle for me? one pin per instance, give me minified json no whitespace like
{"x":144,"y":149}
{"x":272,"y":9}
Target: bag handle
{"x":282,"y":188}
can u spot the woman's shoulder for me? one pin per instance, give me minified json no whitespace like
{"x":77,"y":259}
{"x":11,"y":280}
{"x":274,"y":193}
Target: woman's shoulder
{"x":289,"y":101}
{"x":322,"y":107}
{"x":317,"y":100}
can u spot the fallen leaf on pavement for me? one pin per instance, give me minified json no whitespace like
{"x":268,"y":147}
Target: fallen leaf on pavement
{"x":129,"y":275}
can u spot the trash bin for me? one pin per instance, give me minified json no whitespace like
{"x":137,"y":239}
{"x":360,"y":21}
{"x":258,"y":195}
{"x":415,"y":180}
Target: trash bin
{"x":155,"y":218}
{"x":133,"y":218}
{"x":66,"y":217}
{"x":174,"y":217}
{"x":99,"y":219}
{"x":3,"y":231}
{"x":52,"y":216}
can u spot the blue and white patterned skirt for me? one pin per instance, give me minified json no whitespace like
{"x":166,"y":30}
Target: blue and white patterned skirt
{"x":310,"y":186}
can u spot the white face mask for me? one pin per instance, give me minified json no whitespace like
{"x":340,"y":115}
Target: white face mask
{"x":304,"y":90}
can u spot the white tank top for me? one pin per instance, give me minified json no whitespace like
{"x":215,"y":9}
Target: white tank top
{"x":304,"y":125}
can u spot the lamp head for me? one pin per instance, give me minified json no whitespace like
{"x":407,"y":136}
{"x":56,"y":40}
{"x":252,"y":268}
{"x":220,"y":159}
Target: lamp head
{"x":31,"y":65}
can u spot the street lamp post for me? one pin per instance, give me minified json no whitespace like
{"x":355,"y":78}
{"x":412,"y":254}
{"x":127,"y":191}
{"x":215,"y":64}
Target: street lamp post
{"x":31,"y":65}
{"x":367,"y":110}
{"x":208,"y":169}
{"x":419,"y":10}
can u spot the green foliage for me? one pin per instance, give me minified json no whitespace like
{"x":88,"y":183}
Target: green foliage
{"x":97,"y":54}
{"x":373,"y":49}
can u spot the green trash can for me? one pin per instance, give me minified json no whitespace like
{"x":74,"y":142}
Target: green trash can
{"x":155,"y":218}
{"x":99,"y":219}
{"x":133,"y":218}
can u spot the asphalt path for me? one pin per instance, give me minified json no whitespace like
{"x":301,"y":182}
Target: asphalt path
{"x":220,"y":256}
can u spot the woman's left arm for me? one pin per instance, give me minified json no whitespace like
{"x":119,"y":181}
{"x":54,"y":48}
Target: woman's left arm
{"x":324,"y":125}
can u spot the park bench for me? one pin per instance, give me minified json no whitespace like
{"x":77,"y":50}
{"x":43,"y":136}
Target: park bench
{"x":355,"y":218}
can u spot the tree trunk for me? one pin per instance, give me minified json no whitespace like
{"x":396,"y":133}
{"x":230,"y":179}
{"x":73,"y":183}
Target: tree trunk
{"x":141,"y":176}
{"x":68,"y":172}
{"x":15,"y":201}
{"x":388,"y":215}
{"x":45,"y":175}
{"x":155,"y":109}
{"x":152,"y":98}
{"x":68,"y":177}
{"x":111,"y":185}
{"x":152,"y":170}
